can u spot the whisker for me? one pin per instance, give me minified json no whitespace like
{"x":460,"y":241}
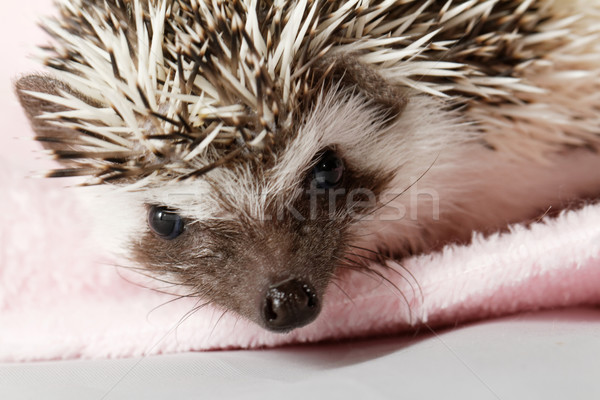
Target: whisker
{"x":237,"y":319}
{"x":334,"y":283}
{"x":363,"y":256}
{"x":365,"y":249}
{"x":164,"y":304}
{"x":144,"y":272}
{"x":217,"y":323}
{"x":139,"y":284}
{"x":383,"y":263}
{"x":188,"y":314}
{"x":414,"y":279}
{"x":370,"y":272}
{"x":403,"y":192}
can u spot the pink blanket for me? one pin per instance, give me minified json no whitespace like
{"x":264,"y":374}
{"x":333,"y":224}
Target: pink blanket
{"x":61,"y":298}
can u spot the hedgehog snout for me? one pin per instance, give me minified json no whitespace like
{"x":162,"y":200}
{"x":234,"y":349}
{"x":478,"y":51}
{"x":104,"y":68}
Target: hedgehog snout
{"x":289,"y":304}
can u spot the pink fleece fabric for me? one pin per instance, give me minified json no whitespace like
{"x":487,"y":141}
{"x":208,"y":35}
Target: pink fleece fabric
{"x":60,"y":298}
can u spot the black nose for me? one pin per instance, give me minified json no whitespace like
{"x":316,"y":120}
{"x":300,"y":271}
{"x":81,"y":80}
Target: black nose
{"x":289,"y":305}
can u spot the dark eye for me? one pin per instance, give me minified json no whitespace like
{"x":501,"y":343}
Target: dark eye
{"x":164,"y":222}
{"x":329,"y":170}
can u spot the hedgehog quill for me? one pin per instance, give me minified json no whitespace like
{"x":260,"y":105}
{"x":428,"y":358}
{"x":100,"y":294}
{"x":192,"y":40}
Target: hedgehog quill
{"x":251,"y":150}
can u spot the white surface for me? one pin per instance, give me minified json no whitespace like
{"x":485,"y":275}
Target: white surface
{"x":549,"y":355}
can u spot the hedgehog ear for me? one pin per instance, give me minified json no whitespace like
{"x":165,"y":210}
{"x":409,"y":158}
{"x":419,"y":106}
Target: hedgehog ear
{"x":50,"y":135}
{"x":347,"y":71}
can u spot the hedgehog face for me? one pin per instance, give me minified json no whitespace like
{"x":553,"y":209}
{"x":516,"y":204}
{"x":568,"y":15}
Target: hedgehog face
{"x":265,"y":239}
{"x":266,"y":242}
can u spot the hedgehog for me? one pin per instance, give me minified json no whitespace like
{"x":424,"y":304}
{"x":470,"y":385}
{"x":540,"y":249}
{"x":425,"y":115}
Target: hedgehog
{"x":252,"y":152}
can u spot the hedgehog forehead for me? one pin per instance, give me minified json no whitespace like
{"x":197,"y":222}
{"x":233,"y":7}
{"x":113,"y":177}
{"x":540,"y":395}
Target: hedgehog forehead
{"x":193,"y":199}
{"x":224,"y":193}
{"x":339,"y":120}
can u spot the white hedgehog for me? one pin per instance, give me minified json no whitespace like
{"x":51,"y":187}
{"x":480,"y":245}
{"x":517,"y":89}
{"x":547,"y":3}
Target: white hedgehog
{"x":250,"y":150}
